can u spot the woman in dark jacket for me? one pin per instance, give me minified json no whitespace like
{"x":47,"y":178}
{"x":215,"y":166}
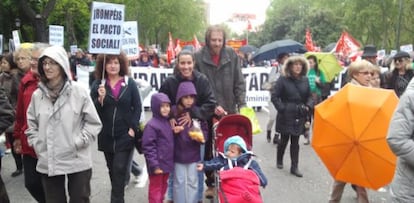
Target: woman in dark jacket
{"x":118,"y":103}
{"x":292,"y":99}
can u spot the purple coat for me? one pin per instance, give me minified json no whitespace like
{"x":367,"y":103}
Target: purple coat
{"x":158,"y":138}
{"x":187,"y":150}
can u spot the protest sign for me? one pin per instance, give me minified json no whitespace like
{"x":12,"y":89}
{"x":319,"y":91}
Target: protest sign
{"x":105,"y":32}
{"x":73,"y":49}
{"x":56,"y":36}
{"x":16,"y":39}
{"x":130,"y":39}
{"x":407,"y":48}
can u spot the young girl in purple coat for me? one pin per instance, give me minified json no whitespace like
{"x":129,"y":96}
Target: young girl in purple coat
{"x":158,"y":147}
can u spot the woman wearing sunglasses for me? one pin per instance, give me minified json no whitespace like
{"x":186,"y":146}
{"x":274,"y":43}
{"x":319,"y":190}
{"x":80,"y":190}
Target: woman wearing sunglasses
{"x":400,"y":73}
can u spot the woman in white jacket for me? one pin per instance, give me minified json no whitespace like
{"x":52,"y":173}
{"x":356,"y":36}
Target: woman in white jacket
{"x":62,"y":125}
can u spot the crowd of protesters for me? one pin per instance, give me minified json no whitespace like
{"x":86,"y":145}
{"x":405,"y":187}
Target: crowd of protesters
{"x":39,"y":82}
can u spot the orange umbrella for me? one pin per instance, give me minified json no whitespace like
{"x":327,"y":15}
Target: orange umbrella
{"x":350,"y":135}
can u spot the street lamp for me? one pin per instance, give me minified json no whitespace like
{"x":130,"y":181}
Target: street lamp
{"x":17,"y":22}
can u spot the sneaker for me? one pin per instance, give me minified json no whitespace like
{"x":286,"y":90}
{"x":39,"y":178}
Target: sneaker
{"x":17,"y":173}
{"x":209,"y":193}
{"x":307,"y":141}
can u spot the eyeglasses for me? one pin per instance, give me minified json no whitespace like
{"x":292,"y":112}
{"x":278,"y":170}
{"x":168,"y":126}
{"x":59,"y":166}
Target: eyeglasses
{"x":49,"y":63}
{"x":366,"y":73}
{"x":22,"y":58}
{"x":400,"y":60}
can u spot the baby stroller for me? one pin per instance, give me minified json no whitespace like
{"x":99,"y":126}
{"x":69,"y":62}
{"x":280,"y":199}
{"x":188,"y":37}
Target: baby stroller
{"x":236,"y":184}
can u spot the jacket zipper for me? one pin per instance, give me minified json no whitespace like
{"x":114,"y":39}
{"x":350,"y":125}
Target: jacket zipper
{"x":114,"y":115}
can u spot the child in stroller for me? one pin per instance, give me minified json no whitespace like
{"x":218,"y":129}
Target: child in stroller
{"x":236,"y":184}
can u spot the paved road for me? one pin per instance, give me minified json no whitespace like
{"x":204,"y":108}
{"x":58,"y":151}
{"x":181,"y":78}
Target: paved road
{"x":314,"y":187}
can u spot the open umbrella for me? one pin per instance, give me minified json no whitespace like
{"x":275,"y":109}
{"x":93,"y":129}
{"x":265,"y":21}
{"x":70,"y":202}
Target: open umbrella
{"x":272,"y":50}
{"x":350,"y":135}
{"x":327,"y":63}
{"x":248,"y":49}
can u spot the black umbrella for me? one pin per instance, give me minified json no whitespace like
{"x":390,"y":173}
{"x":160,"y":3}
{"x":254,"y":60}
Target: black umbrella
{"x":272,"y":50}
{"x":248,"y":49}
{"x":329,"y":47}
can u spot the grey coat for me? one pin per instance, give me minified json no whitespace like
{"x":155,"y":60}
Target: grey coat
{"x":401,"y":141}
{"x":226,"y":79}
{"x":62,"y":133}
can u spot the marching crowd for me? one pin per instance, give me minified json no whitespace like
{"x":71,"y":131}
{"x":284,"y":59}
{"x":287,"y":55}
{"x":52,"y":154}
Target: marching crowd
{"x":57,"y":120}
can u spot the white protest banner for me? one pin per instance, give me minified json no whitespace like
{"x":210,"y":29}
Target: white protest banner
{"x":56,"y":36}
{"x":16,"y":39}
{"x":73,"y":49}
{"x":1,"y":44}
{"x":407,"y":48}
{"x":130,"y":39}
{"x":105,"y":32}
{"x":393,"y":52}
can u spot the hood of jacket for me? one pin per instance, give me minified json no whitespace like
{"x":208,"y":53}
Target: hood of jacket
{"x":58,"y":54}
{"x":235,"y":140}
{"x":156,"y":100}
{"x":290,"y":61}
{"x":184,"y":89}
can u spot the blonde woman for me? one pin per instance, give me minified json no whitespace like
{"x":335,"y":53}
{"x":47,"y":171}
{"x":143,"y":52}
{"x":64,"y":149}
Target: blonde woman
{"x":359,"y":73}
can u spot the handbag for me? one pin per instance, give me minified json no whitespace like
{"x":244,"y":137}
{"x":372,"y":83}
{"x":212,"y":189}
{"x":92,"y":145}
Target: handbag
{"x":138,"y":137}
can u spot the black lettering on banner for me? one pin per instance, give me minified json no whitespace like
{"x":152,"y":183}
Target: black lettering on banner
{"x":253,"y":85}
{"x":142,"y":76}
{"x":95,"y":28}
{"x":264,"y":77}
{"x":154,"y":81}
{"x":164,"y":76}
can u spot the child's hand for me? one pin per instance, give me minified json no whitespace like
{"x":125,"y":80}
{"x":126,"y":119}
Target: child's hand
{"x":200,"y":167}
{"x":178,"y":129}
{"x":158,"y":171}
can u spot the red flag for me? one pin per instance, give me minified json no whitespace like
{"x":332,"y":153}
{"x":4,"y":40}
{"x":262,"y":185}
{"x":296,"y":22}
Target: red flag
{"x":177,"y":48}
{"x":170,"y":49}
{"x":308,"y":41}
{"x":249,"y":25}
{"x":196,"y":44}
{"x":346,"y":44}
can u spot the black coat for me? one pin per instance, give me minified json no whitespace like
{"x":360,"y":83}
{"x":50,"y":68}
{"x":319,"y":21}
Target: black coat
{"x":205,"y":101}
{"x":290,"y":97}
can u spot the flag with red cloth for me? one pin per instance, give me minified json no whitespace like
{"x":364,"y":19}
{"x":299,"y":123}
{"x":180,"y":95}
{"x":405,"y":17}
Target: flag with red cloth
{"x":346,"y":44}
{"x":170,"y":49}
{"x":309,"y":42}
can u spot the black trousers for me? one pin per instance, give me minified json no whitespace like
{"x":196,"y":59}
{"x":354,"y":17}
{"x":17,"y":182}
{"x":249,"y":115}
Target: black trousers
{"x":32,"y":179}
{"x":4,"y":198}
{"x":117,"y":164}
{"x":79,"y":187}
{"x":294,"y":149}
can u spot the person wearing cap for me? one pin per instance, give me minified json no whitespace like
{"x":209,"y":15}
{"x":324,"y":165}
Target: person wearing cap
{"x":400,"y":73}
{"x":235,"y":149}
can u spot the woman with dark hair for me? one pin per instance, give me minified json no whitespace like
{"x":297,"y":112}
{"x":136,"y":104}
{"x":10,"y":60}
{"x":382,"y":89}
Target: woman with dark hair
{"x":400,"y":73}
{"x":205,"y":102}
{"x":117,"y":100}
{"x":316,"y":82}
{"x":10,"y":77}
{"x":291,"y":96}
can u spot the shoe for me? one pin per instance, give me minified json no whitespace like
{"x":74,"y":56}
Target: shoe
{"x":307,"y":141}
{"x":296,"y":172}
{"x":279,"y":166}
{"x":269,"y":138}
{"x":209,"y":193}
{"x":17,"y":173}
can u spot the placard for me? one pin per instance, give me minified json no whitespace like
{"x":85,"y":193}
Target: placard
{"x":1,"y":44}
{"x":56,"y":35}
{"x":130,"y":39}
{"x":105,"y":32}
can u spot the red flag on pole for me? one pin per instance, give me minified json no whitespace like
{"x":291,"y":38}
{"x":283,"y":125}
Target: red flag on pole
{"x":170,"y":49}
{"x":177,"y":48}
{"x":308,"y":41}
{"x":346,"y":44}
